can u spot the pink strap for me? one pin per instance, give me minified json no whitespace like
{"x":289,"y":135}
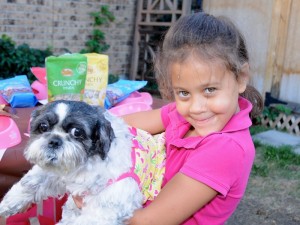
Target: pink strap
{"x":131,"y":173}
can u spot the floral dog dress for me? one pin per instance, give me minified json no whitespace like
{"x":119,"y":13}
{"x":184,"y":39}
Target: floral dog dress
{"x":149,"y":155}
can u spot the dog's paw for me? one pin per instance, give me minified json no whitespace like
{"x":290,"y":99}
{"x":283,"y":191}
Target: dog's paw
{"x":6,"y":211}
{"x":9,"y":209}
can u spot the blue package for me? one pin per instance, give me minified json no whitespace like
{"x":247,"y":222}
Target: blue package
{"x":17,"y":92}
{"x":120,"y":90}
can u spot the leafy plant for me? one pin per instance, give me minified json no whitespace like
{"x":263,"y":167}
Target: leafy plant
{"x":17,"y":60}
{"x":112,"y":78}
{"x":97,"y":42}
{"x":273,"y":111}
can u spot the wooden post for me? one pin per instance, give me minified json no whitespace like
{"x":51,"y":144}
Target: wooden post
{"x":135,"y":50}
{"x":143,"y":20}
{"x":277,"y":46}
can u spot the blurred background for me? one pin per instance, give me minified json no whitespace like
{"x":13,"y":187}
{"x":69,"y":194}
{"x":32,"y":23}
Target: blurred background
{"x":132,"y":31}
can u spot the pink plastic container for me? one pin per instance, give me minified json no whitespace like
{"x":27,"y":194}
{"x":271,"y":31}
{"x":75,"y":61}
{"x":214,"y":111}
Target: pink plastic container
{"x":9,"y":132}
{"x":127,"y":108}
{"x":136,"y":96}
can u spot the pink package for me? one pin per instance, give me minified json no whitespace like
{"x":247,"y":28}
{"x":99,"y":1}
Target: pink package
{"x":40,"y":74}
{"x":48,"y":212}
{"x":39,"y":87}
{"x":40,"y":90}
{"x":2,"y":101}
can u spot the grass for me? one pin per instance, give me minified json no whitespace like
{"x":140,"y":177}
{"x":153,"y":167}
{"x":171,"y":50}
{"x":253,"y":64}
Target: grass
{"x":258,"y":129}
{"x":271,"y":160}
{"x":273,"y":191}
{"x":275,"y":169}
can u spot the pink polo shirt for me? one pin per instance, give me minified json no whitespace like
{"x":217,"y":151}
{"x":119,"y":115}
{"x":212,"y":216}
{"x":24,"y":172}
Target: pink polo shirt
{"x":221,"y":160}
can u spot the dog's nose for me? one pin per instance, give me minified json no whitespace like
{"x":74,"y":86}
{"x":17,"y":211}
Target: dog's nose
{"x":55,"y":142}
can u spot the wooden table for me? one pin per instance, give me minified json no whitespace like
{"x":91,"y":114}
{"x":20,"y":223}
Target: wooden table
{"x":13,"y":164}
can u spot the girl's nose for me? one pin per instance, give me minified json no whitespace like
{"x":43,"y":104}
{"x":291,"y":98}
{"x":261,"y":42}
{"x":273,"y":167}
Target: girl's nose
{"x":198,"y":105}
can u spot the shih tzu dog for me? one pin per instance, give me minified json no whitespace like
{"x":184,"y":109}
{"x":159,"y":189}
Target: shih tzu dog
{"x":81,"y":150}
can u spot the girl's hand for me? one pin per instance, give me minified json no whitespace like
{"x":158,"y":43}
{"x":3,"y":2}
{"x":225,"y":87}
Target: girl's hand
{"x":78,"y":201}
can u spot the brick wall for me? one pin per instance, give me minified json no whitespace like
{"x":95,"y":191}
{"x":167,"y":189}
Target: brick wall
{"x":66,"y":24}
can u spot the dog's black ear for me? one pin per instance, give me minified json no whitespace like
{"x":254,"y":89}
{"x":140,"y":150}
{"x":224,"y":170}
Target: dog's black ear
{"x":36,"y":112}
{"x":41,"y":110}
{"x":103,"y":135}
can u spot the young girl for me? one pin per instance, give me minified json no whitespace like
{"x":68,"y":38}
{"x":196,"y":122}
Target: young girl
{"x":203,"y":66}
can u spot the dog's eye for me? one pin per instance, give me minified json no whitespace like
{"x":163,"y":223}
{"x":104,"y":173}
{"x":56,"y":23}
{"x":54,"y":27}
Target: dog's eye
{"x":43,"y":127}
{"x":76,"y":132}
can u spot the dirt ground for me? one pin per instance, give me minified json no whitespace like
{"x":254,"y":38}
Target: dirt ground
{"x":268,"y":202}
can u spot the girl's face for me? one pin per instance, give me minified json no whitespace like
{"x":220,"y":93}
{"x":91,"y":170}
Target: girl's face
{"x":206,"y":94}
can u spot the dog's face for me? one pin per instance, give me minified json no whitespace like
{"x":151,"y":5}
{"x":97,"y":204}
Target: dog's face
{"x":64,"y":134}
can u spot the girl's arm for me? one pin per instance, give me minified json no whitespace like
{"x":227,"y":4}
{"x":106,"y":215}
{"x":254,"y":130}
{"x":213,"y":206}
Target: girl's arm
{"x":149,"y":121}
{"x":177,"y":201}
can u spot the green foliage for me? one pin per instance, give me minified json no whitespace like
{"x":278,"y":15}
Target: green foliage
{"x":273,"y":111}
{"x":112,"y":78}
{"x":17,"y":60}
{"x":97,"y":42}
{"x":104,"y":16}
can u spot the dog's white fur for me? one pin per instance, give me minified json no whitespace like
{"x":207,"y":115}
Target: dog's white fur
{"x":71,"y":169}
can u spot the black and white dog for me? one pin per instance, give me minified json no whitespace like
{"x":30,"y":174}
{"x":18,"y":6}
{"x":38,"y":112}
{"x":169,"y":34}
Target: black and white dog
{"x":81,"y":150}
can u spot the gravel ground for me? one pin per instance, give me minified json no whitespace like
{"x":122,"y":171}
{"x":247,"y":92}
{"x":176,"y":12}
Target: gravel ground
{"x":271,"y":207}
{"x":252,"y":211}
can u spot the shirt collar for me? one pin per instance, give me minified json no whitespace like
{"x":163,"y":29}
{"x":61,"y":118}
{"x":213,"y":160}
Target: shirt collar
{"x":241,"y":119}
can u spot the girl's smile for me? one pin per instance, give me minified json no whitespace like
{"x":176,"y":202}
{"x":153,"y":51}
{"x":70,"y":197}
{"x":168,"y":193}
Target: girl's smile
{"x":202,"y":121}
{"x":206,"y":94}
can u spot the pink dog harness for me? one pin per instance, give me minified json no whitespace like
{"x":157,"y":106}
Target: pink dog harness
{"x":148,"y":162}
{"x":131,"y":173}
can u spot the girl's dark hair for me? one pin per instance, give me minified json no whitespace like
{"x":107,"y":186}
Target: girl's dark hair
{"x":210,"y":38}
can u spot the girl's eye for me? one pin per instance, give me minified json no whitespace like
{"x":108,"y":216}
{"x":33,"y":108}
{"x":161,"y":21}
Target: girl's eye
{"x":76,"y":132}
{"x":43,"y":127}
{"x":209,"y":90}
{"x":183,"y":94}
